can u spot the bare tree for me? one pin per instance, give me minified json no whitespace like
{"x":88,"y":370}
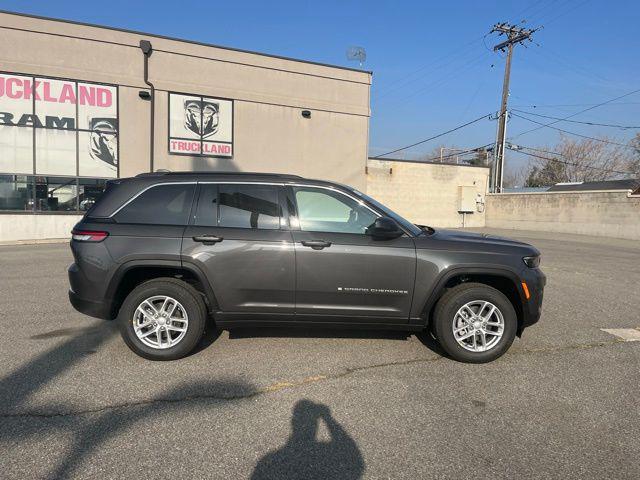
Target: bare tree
{"x":633,"y":165}
{"x":584,"y":160}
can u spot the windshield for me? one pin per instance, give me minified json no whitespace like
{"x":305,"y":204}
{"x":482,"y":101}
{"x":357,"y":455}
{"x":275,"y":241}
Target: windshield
{"x":406,"y":224}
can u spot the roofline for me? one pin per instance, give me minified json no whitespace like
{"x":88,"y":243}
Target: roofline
{"x":214,"y":173}
{"x":177,"y":39}
{"x":403,"y":160}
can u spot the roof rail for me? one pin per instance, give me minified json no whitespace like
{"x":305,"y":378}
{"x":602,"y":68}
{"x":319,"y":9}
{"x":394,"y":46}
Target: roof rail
{"x":259,"y":174}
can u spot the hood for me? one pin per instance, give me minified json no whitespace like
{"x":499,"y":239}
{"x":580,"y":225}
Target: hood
{"x":479,"y":241}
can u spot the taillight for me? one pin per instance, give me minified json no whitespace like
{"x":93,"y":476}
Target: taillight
{"x":88,"y":235}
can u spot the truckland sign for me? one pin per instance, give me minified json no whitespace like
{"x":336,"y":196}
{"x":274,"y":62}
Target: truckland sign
{"x":57,"y":127}
{"x":201,"y":126}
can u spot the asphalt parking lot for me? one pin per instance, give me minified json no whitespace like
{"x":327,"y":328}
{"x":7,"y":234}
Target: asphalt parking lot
{"x":563,"y":403}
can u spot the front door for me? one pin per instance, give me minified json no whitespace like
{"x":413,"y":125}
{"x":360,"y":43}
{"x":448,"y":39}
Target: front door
{"x":240,"y":239}
{"x":342,"y":272}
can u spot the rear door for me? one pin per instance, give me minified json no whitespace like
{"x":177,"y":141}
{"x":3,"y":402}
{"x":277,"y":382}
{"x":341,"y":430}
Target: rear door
{"x":240,"y":238}
{"x":341,"y":271}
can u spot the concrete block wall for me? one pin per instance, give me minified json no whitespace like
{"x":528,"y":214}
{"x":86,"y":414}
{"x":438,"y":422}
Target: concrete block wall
{"x":426,"y":193}
{"x":34,"y":228}
{"x":613,"y":213}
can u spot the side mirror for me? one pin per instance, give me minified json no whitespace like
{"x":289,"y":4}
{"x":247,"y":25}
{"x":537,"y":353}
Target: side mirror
{"x":384,"y":228}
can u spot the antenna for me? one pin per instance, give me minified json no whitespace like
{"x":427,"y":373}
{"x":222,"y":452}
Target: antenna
{"x":357,"y":53}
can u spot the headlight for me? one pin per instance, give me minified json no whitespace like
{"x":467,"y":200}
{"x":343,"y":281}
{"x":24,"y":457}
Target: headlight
{"x":532,"y":262}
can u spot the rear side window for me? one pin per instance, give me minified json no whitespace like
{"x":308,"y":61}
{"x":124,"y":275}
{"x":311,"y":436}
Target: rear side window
{"x":160,"y":205}
{"x":240,"y":206}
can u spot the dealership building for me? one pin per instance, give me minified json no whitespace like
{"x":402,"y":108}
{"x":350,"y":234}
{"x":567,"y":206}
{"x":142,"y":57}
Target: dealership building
{"x":81,"y":104}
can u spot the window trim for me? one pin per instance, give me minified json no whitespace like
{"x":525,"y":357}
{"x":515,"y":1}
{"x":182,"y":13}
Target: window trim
{"x":292,"y":225}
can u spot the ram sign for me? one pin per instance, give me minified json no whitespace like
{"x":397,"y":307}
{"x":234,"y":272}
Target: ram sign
{"x":52,"y":126}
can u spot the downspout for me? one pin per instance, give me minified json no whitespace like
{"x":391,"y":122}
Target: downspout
{"x":147,"y":50}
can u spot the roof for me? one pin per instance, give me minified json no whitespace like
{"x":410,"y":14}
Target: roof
{"x":210,"y":173}
{"x":136,"y":32}
{"x":625,"y":184}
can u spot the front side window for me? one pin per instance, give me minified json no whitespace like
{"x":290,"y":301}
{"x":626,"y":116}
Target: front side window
{"x":321,"y":210}
{"x":160,"y":205}
{"x":248,"y":206}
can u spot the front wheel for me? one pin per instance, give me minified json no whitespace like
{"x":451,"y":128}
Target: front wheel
{"x":162,"y":319}
{"x":475,"y":323}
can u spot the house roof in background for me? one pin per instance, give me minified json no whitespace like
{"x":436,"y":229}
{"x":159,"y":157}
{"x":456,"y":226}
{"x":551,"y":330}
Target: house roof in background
{"x":626,"y":184}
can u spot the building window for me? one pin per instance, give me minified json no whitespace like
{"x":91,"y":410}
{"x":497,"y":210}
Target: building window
{"x":58,"y":142}
{"x":27,"y":193}
{"x":200,"y":126}
{"x":57,"y":127}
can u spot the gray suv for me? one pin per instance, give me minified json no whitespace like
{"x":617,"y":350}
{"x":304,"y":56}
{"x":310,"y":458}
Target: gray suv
{"x":163,"y":252}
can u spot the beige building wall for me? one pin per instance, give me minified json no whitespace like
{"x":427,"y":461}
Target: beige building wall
{"x":428,"y":193}
{"x":269,"y":92}
{"x":601,"y":213}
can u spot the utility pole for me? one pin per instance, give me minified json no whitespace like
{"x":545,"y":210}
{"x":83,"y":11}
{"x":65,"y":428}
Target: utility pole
{"x":514,"y":35}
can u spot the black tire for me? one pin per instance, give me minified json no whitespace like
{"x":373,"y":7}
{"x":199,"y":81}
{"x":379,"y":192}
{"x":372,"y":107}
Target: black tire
{"x":181,"y":291}
{"x":447,"y":308}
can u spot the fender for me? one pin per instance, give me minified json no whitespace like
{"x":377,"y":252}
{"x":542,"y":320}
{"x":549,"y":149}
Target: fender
{"x":448,"y":274}
{"x":125,"y":267}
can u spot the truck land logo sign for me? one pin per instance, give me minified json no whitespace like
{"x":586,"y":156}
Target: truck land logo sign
{"x":200,"y":126}
{"x":201,"y":117}
{"x":55,"y":108}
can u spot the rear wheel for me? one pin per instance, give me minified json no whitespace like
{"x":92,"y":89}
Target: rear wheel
{"x":162,"y":319}
{"x":475,"y":323}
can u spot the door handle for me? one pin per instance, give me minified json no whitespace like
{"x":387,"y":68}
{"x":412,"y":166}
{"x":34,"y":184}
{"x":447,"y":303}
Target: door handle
{"x":207,"y":239}
{"x":316,"y":244}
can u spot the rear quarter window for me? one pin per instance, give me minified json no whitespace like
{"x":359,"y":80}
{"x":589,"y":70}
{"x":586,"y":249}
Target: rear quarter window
{"x":159,"y":205}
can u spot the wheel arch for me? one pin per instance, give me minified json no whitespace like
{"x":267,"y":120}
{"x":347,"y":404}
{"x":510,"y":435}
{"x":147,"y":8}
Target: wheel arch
{"x":134,"y":272}
{"x":504,"y":280}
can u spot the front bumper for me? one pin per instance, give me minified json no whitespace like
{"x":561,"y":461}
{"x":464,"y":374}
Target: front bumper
{"x":532,"y":308}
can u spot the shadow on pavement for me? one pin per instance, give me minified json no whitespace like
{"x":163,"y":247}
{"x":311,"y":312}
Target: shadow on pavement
{"x":304,"y":456}
{"x":17,"y":387}
{"x":427,"y":339}
{"x":94,"y":434}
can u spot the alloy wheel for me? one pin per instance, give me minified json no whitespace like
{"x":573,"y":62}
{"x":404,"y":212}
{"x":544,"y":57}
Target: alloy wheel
{"x":160,"y":322}
{"x":478,"y":326}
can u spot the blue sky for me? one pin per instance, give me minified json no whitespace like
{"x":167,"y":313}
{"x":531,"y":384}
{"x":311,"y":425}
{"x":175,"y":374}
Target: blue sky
{"x":432,"y":61}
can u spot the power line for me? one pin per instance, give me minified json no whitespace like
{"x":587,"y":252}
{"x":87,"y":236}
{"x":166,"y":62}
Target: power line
{"x":438,"y":158}
{"x":441,"y":80}
{"x":576,"y":121}
{"x":551,"y":105}
{"x":434,"y":137}
{"x":571,"y":133}
{"x":574,"y":114}
{"x":572,"y":163}
{"x":448,"y":58}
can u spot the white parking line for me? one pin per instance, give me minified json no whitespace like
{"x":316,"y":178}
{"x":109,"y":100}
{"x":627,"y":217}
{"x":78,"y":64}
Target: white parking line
{"x":626,"y":334}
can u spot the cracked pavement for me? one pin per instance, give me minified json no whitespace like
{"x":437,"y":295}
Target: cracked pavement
{"x":563,"y":402}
